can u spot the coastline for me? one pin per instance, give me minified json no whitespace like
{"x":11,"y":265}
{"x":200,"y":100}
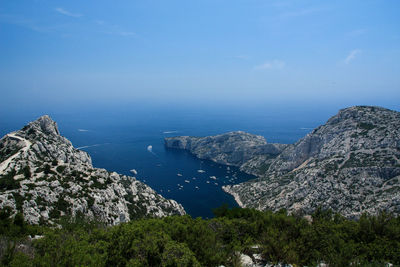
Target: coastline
{"x":226,"y":189}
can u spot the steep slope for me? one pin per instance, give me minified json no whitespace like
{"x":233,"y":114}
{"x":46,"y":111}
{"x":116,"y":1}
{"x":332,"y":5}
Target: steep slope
{"x":350,"y":164}
{"x":44,"y":176}
{"x":234,"y":148}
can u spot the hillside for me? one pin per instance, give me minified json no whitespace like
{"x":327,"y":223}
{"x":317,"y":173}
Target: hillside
{"x":350,"y":164}
{"x":43,"y":176}
{"x":233,"y":148}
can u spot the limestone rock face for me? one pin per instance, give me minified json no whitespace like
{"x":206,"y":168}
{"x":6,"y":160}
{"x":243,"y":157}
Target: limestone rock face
{"x":351,"y":164}
{"x":45,"y":177}
{"x":234,"y":148}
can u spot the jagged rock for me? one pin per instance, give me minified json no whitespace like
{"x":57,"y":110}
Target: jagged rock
{"x":351,"y":164}
{"x":44,"y":176}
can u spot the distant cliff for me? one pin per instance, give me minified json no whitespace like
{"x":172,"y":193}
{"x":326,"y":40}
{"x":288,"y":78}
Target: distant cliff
{"x":43,"y":176}
{"x":351,"y":164}
{"x":234,"y":148}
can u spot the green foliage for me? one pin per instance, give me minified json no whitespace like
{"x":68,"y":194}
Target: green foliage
{"x":97,"y":184}
{"x":47,"y":169}
{"x":31,"y":131}
{"x":27,"y":171}
{"x":19,"y":200}
{"x":62,"y":204}
{"x":20,"y":259}
{"x":185,"y":241}
{"x":366,"y":126}
{"x":13,"y":231}
{"x":263,"y":168}
{"x":14,"y":226}
{"x":221,"y":211}
{"x":60,"y":168}
{"x":7,"y":182}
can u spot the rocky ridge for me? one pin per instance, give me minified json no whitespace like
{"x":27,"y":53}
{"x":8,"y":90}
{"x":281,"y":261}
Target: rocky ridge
{"x":43,"y":176}
{"x":240,"y":149}
{"x":351,"y":164}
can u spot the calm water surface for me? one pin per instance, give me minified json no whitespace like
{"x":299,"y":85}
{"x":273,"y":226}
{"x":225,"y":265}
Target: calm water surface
{"x":119,"y":140}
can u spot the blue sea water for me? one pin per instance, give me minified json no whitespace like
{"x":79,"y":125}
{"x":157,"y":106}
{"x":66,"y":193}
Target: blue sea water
{"x":119,"y":139}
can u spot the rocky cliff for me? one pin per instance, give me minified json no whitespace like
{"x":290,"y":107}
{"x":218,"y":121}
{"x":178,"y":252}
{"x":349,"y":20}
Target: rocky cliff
{"x":43,"y":176}
{"x":240,"y":149}
{"x":351,"y":164}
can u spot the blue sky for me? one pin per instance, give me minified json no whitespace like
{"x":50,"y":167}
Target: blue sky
{"x":65,"y":53}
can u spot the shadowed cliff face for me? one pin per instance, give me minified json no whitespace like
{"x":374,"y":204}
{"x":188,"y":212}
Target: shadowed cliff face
{"x":45,"y":177}
{"x":350,"y":164}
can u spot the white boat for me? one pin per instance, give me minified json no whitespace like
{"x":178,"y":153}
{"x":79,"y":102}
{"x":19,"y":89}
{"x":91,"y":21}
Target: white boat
{"x":213,"y":177}
{"x":133,"y":171}
{"x":201,"y":171}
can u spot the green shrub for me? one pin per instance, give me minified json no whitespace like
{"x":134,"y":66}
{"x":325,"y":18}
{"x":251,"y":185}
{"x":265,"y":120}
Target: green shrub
{"x":7,"y":182}
{"x":184,"y":241}
{"x":60,"y":169}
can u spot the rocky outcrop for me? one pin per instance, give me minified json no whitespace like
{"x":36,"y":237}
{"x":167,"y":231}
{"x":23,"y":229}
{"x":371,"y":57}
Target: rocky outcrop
{"x":234,"y":148}
{"x":43,"y":176}
{"x":351,"y":164}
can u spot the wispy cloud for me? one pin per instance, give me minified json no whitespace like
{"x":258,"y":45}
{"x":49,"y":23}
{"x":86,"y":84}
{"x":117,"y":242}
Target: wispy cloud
{"x":351,"y":56}
{"x":67,"y":13}
{"x":120,"y":33}
{"x":64,"y":30}
{"x":26,"y":23}
{"x":113,"y":29}
{"x":271,"y":65}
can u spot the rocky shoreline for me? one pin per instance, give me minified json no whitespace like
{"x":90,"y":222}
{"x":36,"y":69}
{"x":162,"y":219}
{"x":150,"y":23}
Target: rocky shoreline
{"x":351,"y":165}
{"x":235,"y":196}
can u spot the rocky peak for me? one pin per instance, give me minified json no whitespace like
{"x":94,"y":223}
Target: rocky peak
{"x":351,"y":164}
{"x":46,"y":125}
{"x":359,"y":114}
{"x":43,"y":176}
{"x":353,"y":128}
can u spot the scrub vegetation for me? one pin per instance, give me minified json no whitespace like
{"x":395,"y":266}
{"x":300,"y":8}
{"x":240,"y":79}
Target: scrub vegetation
{"x":186,"y":241}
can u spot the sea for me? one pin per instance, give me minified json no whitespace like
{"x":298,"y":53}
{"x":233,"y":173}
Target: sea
{"x":124,"y":138}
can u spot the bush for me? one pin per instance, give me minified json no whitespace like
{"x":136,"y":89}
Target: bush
{"x":60,"y":169}
{"x":27,"y":171}
{"x":184,"y":241}
{"x":7,"y":182}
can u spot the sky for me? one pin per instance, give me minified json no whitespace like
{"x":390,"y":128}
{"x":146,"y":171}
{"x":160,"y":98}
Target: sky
{"x":69,"y":54}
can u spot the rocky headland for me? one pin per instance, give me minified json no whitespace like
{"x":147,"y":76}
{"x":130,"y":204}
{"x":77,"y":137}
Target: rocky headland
{"x":351,"y":164}
{"x":43,"y":176}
